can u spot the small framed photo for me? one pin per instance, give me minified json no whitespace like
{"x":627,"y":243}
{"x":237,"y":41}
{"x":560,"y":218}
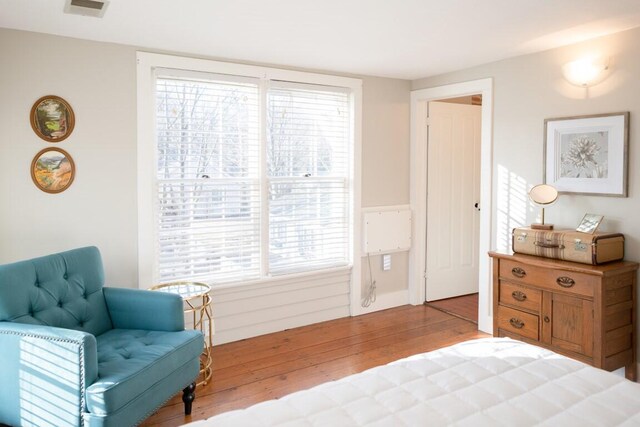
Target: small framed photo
{"x":52,"y":170}
{"x":590,"y":223}
{"x":587,"y":154}
{"x":52,"y":118}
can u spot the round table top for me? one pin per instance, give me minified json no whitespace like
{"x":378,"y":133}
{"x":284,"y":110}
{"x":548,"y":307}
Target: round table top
{"x":186,"y":290}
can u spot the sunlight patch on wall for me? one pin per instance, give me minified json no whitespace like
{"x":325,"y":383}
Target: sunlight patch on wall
{"x":512,"y":203}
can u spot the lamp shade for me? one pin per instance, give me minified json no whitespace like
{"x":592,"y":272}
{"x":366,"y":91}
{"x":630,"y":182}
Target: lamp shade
{"x":586,"y":72}
{"x":543,"y":195}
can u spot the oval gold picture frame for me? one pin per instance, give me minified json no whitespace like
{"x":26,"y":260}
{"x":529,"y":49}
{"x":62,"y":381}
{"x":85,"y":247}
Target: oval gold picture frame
{"x":53,"y":170}
{"x":52,"y":118}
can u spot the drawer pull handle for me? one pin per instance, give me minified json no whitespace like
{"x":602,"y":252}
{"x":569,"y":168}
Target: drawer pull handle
{"x":518,"y":272}
{"x":516,"y":323}
{"x":546,"y":319}
{"x":548,"y":245}
{"x":518,"y":295}
{"x":565,"y":282}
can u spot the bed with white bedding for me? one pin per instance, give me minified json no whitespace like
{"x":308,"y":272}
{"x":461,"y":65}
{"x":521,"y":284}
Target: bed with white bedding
{"x":486,"y":382}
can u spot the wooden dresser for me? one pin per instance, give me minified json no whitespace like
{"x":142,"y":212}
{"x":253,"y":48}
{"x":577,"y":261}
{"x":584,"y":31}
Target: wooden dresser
{"x":582,"y":311}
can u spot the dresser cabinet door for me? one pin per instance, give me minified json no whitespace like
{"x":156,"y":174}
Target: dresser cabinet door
{"x":567,"y":323}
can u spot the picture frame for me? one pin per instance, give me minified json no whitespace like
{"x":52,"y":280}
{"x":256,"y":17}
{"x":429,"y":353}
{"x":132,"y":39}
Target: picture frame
{"x":590,"y":223}
{"x":53,"y":170}
{"x":587,"y":154}
{"x":52,"y":118}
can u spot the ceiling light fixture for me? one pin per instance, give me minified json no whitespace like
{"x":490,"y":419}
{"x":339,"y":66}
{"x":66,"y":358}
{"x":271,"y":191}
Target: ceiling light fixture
{"x":586,"y":71}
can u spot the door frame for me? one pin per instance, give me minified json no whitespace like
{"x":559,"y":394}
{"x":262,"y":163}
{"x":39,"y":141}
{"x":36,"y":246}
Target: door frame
{"x":418,"y":190}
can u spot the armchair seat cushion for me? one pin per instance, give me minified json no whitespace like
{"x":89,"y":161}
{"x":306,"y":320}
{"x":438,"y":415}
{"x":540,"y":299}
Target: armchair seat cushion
{"x":130,"y":362}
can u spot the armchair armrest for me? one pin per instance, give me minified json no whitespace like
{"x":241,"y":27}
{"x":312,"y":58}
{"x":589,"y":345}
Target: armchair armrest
{"x":147,"y":310}
{"x":44,"y":372}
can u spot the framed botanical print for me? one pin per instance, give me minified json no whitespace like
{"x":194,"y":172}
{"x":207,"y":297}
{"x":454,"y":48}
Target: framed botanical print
{"x":587,"y":154}
{"x":52,"y":118}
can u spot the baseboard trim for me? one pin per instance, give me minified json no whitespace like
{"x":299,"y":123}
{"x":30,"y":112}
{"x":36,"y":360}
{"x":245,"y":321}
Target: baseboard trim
{"x":385,"y":301}
{"x":278,"y":325}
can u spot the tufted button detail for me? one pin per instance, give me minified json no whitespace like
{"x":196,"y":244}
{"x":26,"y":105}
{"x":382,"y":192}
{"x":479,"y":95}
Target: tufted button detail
{"x":59,"y":303}
{"x":66,"y":276}
{"x":37,"y":284}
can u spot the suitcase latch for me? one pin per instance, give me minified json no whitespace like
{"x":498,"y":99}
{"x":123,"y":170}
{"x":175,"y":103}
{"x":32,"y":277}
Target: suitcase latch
{"x":522,"y":237}
{"x":579,"y":246}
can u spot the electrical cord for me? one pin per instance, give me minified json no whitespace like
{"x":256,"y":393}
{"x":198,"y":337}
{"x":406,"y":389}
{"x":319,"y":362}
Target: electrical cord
{"x":370,"y":298}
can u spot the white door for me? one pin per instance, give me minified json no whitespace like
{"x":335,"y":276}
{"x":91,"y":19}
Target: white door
{"x":453,"y":205}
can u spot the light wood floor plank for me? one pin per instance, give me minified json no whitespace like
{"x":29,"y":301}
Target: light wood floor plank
{"x":274,"y":365}
{"x":465,"y":306}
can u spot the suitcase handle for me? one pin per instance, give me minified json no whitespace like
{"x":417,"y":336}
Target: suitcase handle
{"x":549,"y":245}
{"x":516,"y":323}
{"x":518,"y":272}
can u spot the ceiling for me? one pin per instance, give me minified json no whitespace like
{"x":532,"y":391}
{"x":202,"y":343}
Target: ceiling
{"x":405,"y":39}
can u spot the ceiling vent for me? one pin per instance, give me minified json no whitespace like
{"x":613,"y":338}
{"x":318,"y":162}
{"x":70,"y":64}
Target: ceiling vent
{"x":95,"y":8}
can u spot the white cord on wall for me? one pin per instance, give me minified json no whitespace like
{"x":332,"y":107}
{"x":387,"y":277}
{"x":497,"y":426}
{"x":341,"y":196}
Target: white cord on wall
{"x":370,"y":297}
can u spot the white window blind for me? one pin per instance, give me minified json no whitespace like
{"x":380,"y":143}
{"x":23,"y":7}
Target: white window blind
{"x":208,"y":187}
{"x":253,"y":179}
{"x":308,"y":175}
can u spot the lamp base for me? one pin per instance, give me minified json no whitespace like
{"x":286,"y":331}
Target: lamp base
{"x":542,"y":226}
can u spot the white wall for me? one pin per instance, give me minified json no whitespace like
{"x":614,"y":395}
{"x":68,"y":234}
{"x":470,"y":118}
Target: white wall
{"x":529,"y":89}
{"x":385,"y":171}
{"x":99,"y":81}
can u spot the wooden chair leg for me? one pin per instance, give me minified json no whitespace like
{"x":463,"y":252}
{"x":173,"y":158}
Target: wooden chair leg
{"x":188,"y":395}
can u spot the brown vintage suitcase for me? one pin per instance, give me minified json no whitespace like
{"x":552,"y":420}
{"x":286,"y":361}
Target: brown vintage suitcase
{"x":569,"y":245}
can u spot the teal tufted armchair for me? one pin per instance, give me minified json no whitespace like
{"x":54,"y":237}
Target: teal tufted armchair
{"x":75,"y":353}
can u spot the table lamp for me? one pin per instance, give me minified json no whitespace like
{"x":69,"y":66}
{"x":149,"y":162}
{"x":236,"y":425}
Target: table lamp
{"x":543,"y":195}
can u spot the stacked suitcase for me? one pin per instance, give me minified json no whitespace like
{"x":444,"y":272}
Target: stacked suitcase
{"x":569,"y":245}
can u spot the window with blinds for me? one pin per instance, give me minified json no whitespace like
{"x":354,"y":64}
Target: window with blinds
{"x":308,"y":178}
{"x":250,"y":184}
{"x":208,"y":184}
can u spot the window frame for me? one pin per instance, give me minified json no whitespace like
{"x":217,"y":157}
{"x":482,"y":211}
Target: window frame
{"x":147,"y":64}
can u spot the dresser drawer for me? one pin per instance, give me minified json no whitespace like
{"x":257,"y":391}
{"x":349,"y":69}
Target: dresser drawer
{"x":520,"y":296}
{"x":551,"y":279}
{"x":518,"y":322}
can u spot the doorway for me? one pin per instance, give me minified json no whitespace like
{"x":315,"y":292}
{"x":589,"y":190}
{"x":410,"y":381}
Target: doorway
{"x":420,"y":100}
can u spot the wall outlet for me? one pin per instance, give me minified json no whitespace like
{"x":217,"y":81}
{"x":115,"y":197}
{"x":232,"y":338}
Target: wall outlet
{"x":386,"y":262}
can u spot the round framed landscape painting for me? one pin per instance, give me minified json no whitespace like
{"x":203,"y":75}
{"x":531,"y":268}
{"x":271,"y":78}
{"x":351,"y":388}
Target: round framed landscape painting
{"x":52,"y":170}
{"x":52,"y":118}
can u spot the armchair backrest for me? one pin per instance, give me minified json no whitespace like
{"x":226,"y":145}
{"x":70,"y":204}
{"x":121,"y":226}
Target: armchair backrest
{"x":62,"y":290}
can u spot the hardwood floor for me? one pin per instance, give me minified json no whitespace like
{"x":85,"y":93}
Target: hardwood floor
{"x":271,"y":366}
{"x":465,"y":306}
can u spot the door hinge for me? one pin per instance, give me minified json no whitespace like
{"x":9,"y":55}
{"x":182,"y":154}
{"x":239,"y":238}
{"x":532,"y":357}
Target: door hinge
{"x":427,"y":121}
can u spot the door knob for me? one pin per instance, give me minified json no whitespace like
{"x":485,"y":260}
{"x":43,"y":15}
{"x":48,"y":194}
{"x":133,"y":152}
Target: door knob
{"x":477,"y":206}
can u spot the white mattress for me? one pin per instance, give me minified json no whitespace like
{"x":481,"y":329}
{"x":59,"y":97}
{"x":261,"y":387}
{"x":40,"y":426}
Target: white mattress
{"x":487,"y":382}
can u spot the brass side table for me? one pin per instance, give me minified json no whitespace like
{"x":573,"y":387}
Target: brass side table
{"x":197,"y":303}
